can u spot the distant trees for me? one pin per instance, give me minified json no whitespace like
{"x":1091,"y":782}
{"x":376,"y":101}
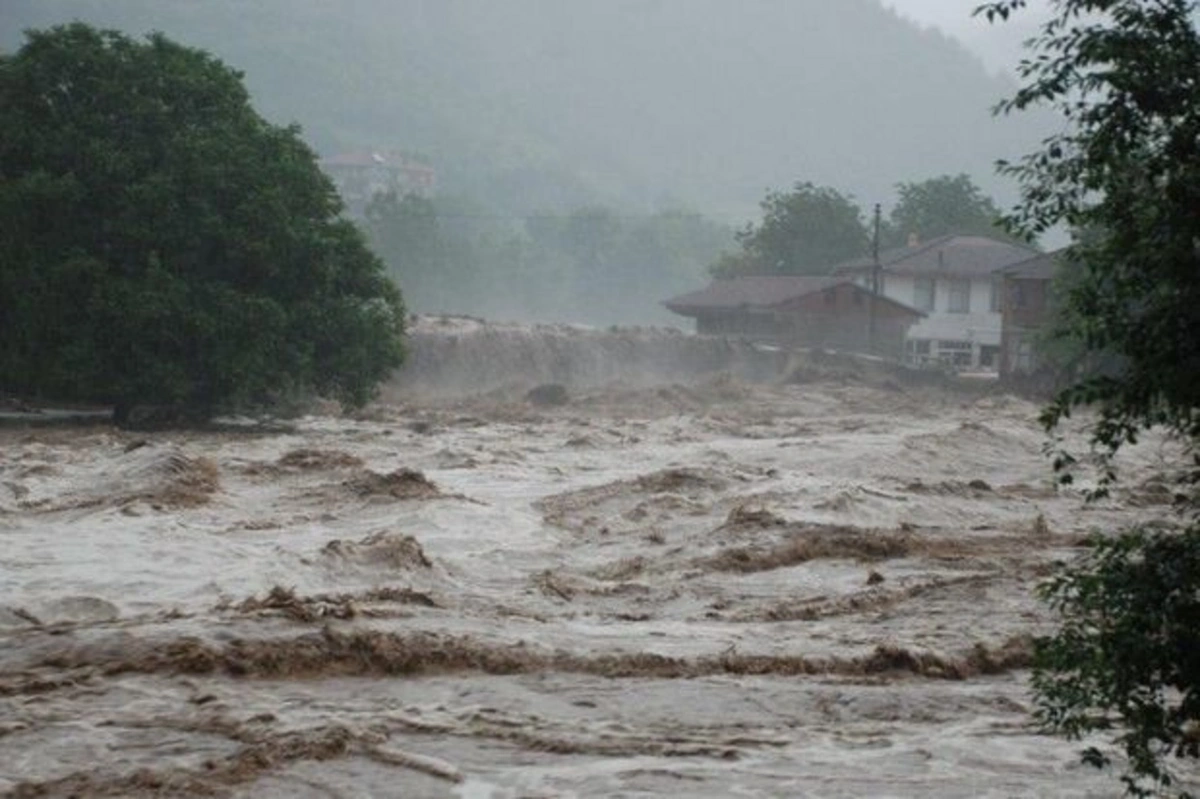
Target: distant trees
{"x":590,"y":264}
{"x":812,"y":229}
{"x":407,"y":234}
{"x":160,"y":243}
{"x":947,"y":204}
{"x":590,"y":240}
{"x":1123,"y":74}
{"x":803,"y":232}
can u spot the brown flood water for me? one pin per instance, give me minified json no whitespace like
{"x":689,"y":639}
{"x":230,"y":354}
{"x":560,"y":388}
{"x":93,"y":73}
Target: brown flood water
{"x":712,"y":590}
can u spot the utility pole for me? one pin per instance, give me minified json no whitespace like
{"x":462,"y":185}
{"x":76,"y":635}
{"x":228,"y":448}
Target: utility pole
{"x":875,"y":275}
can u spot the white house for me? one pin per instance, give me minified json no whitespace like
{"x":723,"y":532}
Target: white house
{"x":952,"y":280}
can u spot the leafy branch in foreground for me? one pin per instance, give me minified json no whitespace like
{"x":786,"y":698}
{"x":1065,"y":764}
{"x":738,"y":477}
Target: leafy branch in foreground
{"x":1126,"y":659}
{"x":1125,"y":77}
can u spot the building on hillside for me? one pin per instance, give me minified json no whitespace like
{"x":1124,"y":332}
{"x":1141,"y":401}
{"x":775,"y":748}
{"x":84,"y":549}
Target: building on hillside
{"x":362,"y":174}
{"x":1027,"y":308}
{"x":826,"y":312}
{"x":953,"y":281}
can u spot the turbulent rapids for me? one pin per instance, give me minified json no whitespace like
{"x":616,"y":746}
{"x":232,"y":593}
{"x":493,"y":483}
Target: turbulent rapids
{"x":687,"y":576}
{"x":453,"y":355}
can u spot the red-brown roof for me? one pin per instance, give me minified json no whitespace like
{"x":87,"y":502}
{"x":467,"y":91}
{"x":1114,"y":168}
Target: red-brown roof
{"x":760,"y":291}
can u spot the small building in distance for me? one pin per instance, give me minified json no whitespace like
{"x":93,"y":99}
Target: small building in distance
{"x":953,"y":280}
{"x":821,"y":312}
{"x":362,"y":174}
{"x":1027,"y":309}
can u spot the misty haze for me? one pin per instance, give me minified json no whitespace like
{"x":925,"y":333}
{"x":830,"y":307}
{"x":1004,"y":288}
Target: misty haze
{"x":584,"y":398}
{"x":567,"y":139}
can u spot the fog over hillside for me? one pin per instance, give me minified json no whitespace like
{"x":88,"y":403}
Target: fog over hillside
{"x":532,"y":105}
{"x":998,"y":45}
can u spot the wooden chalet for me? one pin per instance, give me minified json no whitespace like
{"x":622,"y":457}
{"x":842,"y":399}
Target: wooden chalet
{"x":829,"y":312}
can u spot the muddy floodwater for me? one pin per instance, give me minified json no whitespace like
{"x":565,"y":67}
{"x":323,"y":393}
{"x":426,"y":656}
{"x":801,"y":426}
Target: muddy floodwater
{"x":714,"y":589}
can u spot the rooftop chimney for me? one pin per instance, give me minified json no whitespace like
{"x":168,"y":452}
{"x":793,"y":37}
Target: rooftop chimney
{"x":913,"y":239}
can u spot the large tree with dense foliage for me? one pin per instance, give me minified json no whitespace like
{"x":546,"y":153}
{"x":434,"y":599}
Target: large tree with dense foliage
{"x":1125,"y":74}
{"x":806,"y":231}
{"x":947,"y":204}
{"x":161,"y":243}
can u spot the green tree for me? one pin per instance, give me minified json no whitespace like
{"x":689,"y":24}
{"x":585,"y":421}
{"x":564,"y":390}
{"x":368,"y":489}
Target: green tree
{"x":943,"y":205}
{"x":589,"y":237}
{"x":1125,"y":74}
{"x":407,"y":233}
{"x":604,"y":267}
{"x":660,"y":255}
{"x":806,"y":231}
{"x":160,"y":243}
{"x":593,"y":264}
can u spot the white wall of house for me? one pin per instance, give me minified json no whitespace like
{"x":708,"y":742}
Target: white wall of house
{"x":979,"y":324}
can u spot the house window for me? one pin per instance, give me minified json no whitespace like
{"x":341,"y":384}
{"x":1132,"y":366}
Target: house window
{"x":923,"y":293}
{"x":995,"y":295}
{"x":917,"y":351}
{"x":960,"y":297}
{"x":1024,"y":355}
{"x":955,"y":353}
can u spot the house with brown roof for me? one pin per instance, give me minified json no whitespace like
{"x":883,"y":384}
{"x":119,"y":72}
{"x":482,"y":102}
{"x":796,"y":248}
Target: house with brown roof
{"x":828,"y":312}
{"x":954,"y":281}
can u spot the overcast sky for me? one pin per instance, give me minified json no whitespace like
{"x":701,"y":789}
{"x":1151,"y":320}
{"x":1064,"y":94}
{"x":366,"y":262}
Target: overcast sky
{"x":952,"y":15}
{"x":998,"y":45}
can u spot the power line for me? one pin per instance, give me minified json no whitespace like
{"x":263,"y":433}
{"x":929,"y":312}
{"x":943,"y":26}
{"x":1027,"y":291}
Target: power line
{"x":625,"y":216}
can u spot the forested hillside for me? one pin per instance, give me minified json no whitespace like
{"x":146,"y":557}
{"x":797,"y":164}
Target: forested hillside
{"x":640,"y":103}
{"x":593,"y":156}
